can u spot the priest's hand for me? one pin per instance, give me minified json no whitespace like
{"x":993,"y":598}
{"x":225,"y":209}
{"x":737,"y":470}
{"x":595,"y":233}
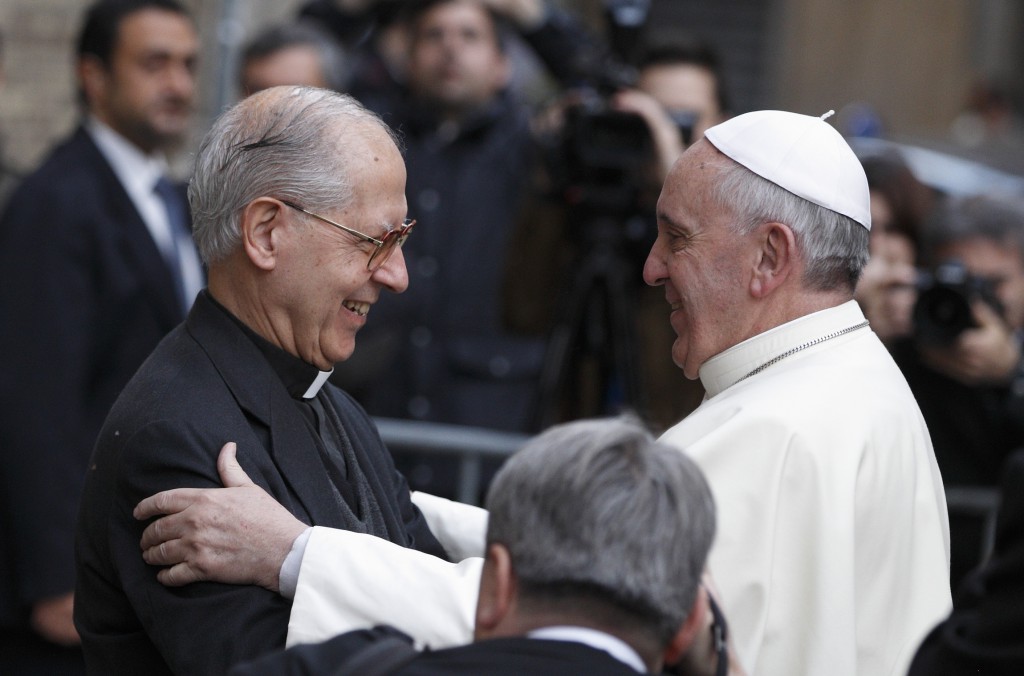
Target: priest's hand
{"x":238,"y":534}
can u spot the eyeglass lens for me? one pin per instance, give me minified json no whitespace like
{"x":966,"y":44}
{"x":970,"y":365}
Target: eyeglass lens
{"x":393,"y":239}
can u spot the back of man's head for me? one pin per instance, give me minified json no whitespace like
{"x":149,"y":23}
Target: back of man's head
{"x":604,"y":527}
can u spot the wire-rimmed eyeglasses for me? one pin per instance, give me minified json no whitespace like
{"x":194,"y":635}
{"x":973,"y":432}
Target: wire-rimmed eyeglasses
{"x":385,"y":246}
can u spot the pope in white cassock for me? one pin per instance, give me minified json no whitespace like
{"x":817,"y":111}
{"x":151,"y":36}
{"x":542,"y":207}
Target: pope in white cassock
{"x":832,"y":554}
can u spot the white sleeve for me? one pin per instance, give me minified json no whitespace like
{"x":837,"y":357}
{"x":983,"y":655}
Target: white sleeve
{"x":352,"y":581}
{"x":460,"y":528}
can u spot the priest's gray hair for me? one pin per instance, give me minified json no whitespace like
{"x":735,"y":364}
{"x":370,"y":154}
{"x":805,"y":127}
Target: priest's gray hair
{"x":289,"y":143}
{"x":596,"y":514}
{"x":834,"y":247}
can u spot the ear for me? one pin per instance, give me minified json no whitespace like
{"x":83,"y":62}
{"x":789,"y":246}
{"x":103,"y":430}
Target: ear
{"x":497,"y":590}
{"x":93,"y":78}
{"x":260,"y":223}
{"x":694,"y":626}
{"x":776,"y":259}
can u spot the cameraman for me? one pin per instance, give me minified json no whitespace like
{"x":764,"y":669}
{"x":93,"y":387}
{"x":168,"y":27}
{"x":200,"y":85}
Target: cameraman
{"x":679,"y":94}
{"x":970,"y":386}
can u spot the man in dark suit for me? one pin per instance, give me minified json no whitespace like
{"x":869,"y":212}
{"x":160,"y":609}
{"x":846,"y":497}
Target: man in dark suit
{"x":985,"y":632}
{"x":95,"y":268}
{"x":299,"y":206}
{"x":596,"y":542}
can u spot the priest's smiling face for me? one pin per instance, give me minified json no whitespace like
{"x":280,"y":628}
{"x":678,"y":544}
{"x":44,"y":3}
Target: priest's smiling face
{"x":701,"y":261}
{"x":326,"y":291}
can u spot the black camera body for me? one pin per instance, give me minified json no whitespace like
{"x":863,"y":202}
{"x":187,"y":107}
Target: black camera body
{"x":943,"y":308}
{"x":604,"y":154}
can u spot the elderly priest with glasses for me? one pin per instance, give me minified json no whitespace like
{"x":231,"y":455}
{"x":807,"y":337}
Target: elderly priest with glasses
{"x":298,"y":196}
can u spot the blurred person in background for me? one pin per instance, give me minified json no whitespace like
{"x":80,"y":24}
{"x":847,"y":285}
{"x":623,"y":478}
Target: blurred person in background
{"x":374,"y":36}
{"x":97,"y":264}
{"x":983,"y":633}
{"x":963,"y":360}
{"x":298,"y":53}
{"x":900,"y":204}
{"x":685,"y":80}
{"x":9,"y":177}
{"x":471,"y":158}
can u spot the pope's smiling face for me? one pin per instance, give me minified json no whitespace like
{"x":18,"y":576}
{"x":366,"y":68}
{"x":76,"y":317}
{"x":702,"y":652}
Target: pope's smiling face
{"x":702,"y":262}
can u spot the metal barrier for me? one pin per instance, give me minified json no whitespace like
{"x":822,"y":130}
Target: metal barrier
{"x":472,"y":444}
{"x":979,"y":503}
{"x":469,"y":444}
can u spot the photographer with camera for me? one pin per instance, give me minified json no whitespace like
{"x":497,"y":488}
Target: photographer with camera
{"x":617,"y":138}
{"x":900,"y":203}
{"x":963,"y":361}
{"x":679,"y":94}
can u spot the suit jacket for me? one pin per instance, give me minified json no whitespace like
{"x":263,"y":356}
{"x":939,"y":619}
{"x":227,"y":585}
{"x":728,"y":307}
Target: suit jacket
{"x":84,"y":297}
{"x":985,"y":632}
{"x":207,"y":383}
{"x":495,"y":657}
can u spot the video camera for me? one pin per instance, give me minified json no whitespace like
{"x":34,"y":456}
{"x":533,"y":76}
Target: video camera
{"x":943,"y":308}
{"x":603,"y":153}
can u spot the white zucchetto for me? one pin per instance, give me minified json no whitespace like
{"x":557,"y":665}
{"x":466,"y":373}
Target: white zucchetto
{"x":803,"y":154}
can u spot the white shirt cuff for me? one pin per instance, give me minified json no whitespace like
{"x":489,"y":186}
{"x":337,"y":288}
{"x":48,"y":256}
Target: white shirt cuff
{"x":288,"y":578}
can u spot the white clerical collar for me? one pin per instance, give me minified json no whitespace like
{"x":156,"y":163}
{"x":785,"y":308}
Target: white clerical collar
{"x":727,"y":368}
{"x":612,"y":645}
{"x":314,"y":388}
{"x":137,"y":171}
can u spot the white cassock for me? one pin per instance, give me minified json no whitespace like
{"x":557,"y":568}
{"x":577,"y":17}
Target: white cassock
{"x":832,"y":554}
{"x":832,"y":549}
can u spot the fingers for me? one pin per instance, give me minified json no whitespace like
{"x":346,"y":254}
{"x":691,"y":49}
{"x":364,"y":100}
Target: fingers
{"x":179,"y":575}
{"x":182,"y":567}
{"x":985,"y":314}
{"x":168,"y":553}
{"x":161,"y":530}
{"x":231,"y":473}
{"x":166,"y":502}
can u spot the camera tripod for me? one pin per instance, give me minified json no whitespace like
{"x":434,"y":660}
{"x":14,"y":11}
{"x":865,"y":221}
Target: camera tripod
{"x":590,"y":365}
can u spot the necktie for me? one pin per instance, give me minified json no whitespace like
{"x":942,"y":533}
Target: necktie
{"x":180,"y":236}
